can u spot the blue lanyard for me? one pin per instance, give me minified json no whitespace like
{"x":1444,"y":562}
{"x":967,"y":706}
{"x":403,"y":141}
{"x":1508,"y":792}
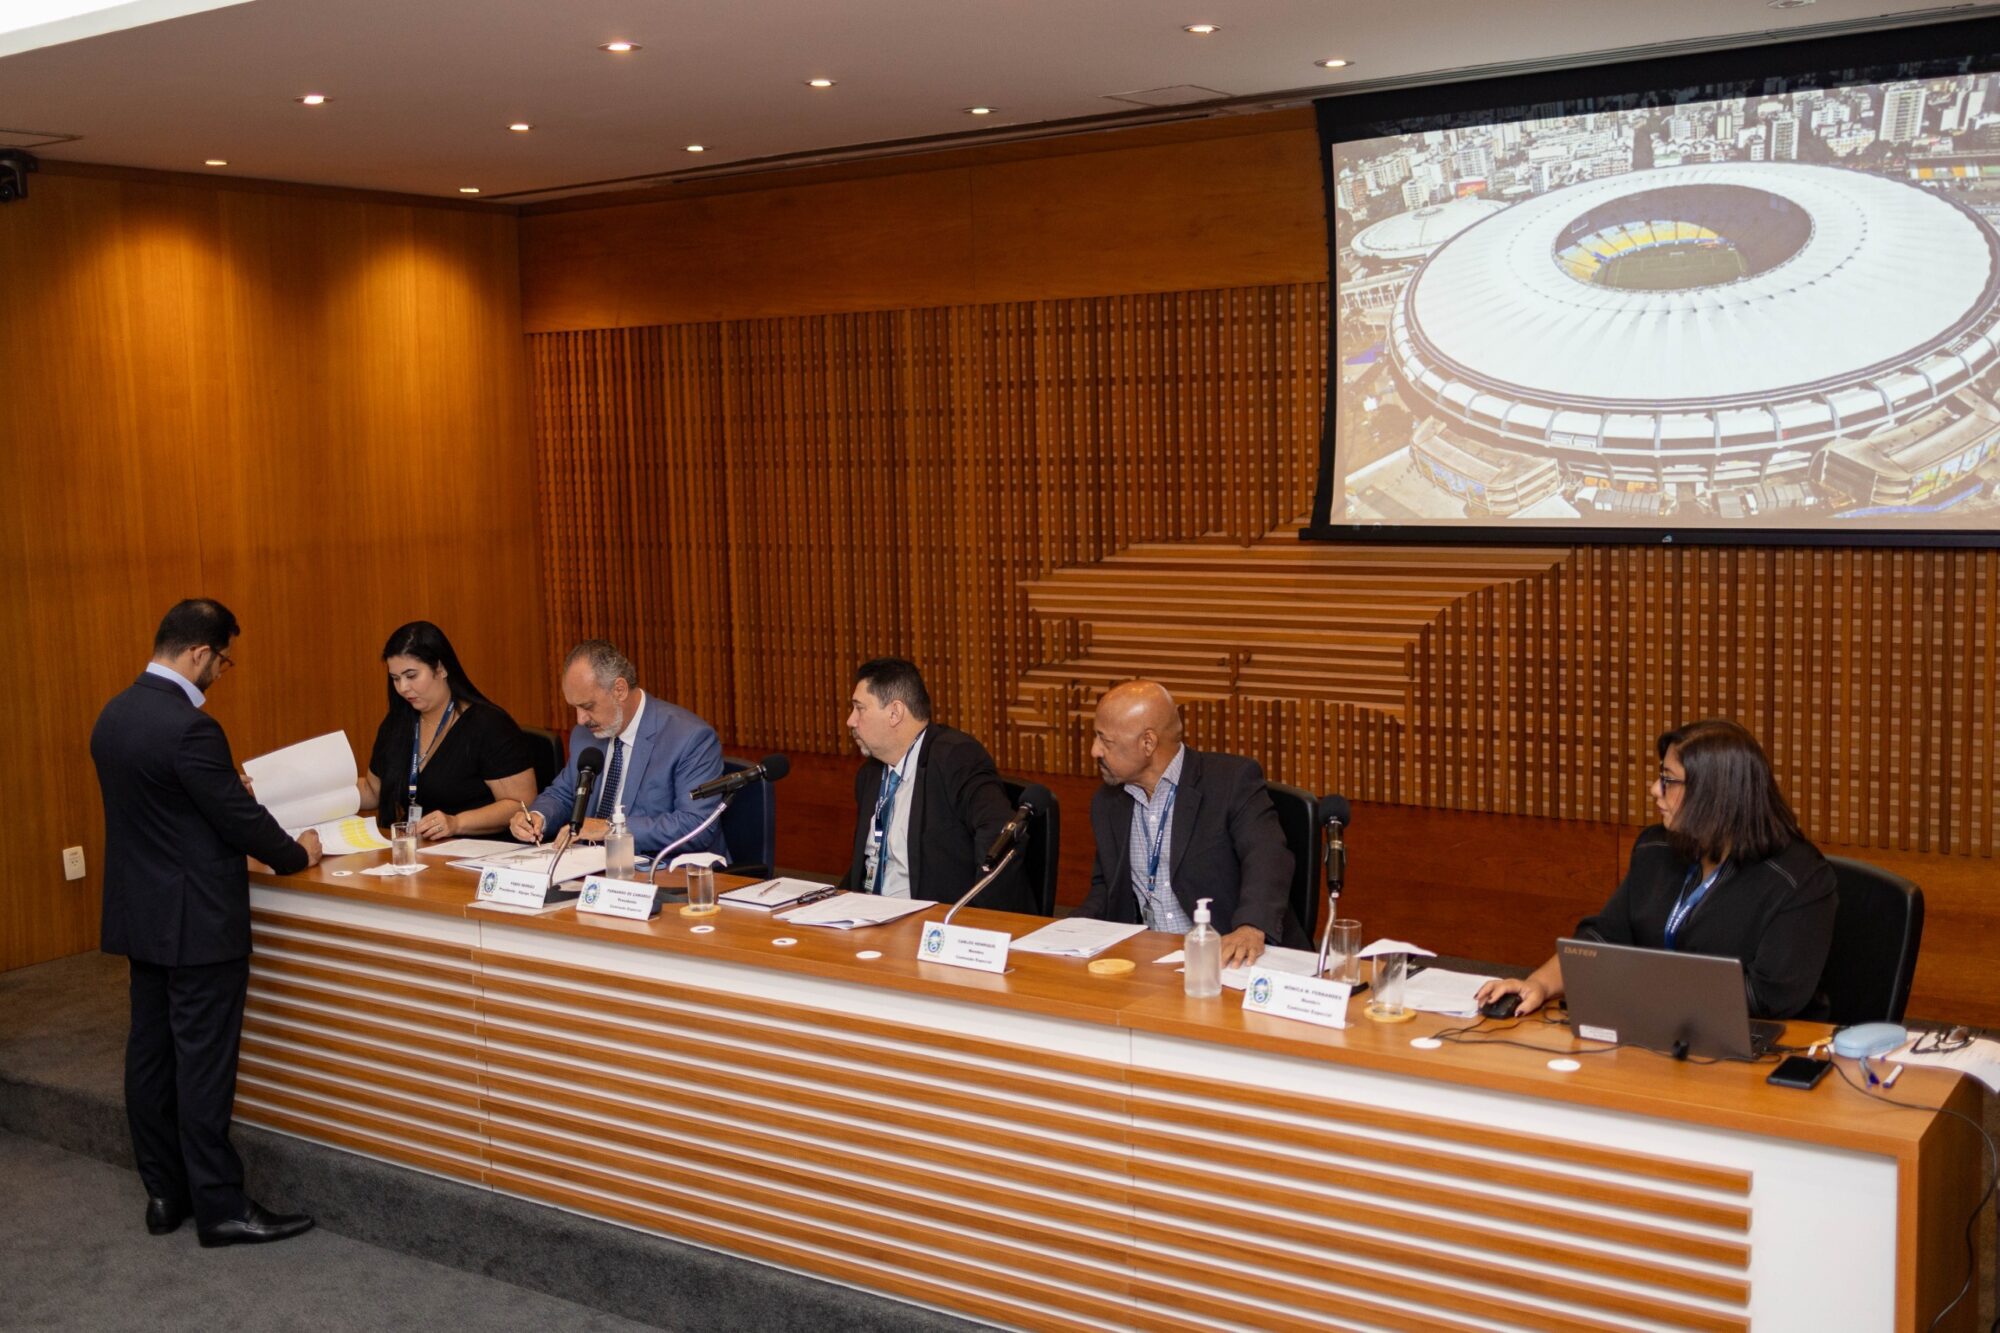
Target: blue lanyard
{"x":1159,"y":842}
{"x":1685,"y":904}
{"x":417,"y":756}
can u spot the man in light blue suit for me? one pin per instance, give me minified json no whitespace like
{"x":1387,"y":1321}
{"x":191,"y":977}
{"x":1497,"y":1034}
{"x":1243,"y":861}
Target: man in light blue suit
{"x":654,"y":754}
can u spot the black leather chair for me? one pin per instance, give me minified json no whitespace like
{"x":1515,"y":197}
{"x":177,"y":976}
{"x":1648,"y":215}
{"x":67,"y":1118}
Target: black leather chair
{"x":1876,"y":933}
{"x":751,"y":825}
{"x":1040,"y":849}
{"x":547,"y":748}
{"x":1298,"y":811}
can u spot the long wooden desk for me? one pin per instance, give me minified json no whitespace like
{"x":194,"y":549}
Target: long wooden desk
{"x":1052,"y":1149}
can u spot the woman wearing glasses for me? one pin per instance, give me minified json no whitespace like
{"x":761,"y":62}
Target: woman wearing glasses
{"x":1725,"y":872}
{"x":443,"y":748}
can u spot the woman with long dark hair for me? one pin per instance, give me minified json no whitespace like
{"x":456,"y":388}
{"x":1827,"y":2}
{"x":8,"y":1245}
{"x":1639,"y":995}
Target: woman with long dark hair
{"x":1725,"y":872}
{"x":443,"y":749}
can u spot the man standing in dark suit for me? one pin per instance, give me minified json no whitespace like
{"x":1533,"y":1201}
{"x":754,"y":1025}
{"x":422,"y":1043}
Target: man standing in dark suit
{"x":1174,"y":825}
{"x":178,"y":823}
{"x":928,"y":803}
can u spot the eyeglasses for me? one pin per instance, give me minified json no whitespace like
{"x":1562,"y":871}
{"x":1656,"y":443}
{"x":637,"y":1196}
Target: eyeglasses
{"x":225,"y":659}
{"x":1665,"y":780}
{"x":1942,"y":1041}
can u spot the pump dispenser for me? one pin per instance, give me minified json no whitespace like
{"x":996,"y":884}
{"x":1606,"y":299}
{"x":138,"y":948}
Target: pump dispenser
{"x":620,"y":862}
{"x":1201,"y":965}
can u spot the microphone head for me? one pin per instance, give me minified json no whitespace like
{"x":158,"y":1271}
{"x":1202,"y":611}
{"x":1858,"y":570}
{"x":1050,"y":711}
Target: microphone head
{"x":590,"y":761}
{"x":1334,"y":806}
{"x":775,"y":766}
{"x":1036,"y":797}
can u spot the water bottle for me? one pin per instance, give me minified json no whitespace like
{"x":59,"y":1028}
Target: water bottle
{"x":1201,"y":962}
{"x":620,"y":862}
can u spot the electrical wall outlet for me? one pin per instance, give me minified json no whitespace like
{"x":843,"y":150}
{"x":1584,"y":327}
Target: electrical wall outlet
{"x":72,"y":863}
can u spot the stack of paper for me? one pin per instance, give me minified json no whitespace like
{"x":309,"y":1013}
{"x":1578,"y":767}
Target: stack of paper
{"x":307,"y":784}
{"x":1075,"y":938}
{"x":1979,"y":1058}
{"x":580,"y":860}
{"x":1299,"y":962}
{"x":344,"y":837}
{"x":1436,"y":991}
{"x":772,"y":894}
{"x":465,"y":849}
{"x":847,"y":911}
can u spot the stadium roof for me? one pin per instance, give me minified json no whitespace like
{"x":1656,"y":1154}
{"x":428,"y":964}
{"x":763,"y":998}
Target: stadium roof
{"x":1414,"y":234}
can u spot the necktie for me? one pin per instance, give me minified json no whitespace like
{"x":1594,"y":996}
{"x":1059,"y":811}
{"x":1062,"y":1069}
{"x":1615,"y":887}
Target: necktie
{"x":885,"y":806}
{"x":607,"y":797}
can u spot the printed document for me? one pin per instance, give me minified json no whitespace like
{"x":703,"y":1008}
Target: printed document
{"x":1075,"y":937}
{"x":772,"y":894}
{"x":344,"y":837}
{"x":1298,"y":962}
{"x":583,"y":858}
{"x":848,"y":911}
{"x":308,"y":783}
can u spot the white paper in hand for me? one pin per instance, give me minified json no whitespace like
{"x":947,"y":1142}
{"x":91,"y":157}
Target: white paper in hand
{"x":308,"y":783}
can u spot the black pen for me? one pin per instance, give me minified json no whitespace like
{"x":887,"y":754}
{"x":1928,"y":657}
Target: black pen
{"x":816,"y":895}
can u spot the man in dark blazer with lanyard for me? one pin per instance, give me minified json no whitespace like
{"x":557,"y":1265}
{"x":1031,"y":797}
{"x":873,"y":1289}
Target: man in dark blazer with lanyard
{"x":928,"y":803}
{"x":1174,"y":825}
{"x":178,"y":823}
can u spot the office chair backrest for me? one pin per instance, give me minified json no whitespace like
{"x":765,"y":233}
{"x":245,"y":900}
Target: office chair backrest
{"x":750,"y":828}
{"x":1041,"y":848}
{"x":1876,"y":933}
{"x":1298,"y":812}
{"x":547,"y":750}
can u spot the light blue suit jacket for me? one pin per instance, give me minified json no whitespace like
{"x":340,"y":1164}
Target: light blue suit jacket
{"x":674,"y":753}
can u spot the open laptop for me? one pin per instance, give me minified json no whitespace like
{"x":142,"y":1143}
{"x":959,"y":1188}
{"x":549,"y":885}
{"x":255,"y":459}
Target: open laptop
{"x":1659,"y":999}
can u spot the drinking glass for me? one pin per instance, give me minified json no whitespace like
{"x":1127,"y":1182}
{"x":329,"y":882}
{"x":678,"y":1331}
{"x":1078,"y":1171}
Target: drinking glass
{"x":1343,"y":960}
{"x":701,"y":890}
{"x":1391,"y":971}
{"x":403,"y":844}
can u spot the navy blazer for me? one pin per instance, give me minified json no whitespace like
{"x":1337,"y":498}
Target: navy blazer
{"x":1227,"y":846}
{"x":177,"y":826}
{"x":956,"y":811}
{"x":675,"y":752}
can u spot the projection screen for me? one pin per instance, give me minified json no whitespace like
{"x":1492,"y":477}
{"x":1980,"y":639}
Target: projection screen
{"x":1762,"y":310}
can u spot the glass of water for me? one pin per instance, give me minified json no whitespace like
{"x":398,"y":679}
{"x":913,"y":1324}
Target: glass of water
{"x":1343,"y":961}
{"x":403,"y":844}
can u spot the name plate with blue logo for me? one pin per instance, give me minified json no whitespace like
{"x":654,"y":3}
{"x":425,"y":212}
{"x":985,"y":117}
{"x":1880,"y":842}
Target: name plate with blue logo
{"x":962,"y":946}
{"x":1305,"y":999}
{"x":513,"y":888}
{"x":631,"y":899}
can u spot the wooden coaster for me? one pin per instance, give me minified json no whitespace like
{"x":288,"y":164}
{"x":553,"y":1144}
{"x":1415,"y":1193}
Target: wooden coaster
{"x":1111,"y":967}
{"x":710,"y":910}
{"x":1377,"y":1015}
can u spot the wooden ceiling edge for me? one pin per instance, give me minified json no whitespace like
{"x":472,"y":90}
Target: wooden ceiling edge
{"x":208,"y":180}
{"x":956,"y":156}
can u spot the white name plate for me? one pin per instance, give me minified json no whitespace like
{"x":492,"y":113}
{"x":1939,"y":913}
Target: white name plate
{"x":631,"y":899}
{"x":1306,"y":999}
{"x":513,"y":888}
{"x":962,"y":946}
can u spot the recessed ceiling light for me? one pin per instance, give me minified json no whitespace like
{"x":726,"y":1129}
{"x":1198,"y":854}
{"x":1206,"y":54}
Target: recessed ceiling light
{"x":819,"y":83}
{"x":1787,"y":4}
{"x":313,"y":99}
{"x":697,"y":148}
{"x":979,"y":110}
{"x":520,"y":127}
{"x":1202,"y":29}
{"x":468,"y":189}
{"x":620,"y":48}
{"x":1332,"y":64}
{"x":216,"y":162}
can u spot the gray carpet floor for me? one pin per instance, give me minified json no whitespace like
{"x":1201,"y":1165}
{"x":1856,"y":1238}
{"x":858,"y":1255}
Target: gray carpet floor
{"x":74,"y":1254}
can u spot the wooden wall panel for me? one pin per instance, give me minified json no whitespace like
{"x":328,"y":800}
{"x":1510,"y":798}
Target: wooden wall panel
{"x":312,"y":408}
{"x":1223,"y":203}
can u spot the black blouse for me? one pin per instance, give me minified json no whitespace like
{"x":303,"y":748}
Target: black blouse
{"x":483,"y":745}
{"x":1774,"y":916}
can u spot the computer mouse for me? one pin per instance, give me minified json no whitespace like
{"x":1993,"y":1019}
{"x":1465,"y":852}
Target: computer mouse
{"x":1503,"y":1007}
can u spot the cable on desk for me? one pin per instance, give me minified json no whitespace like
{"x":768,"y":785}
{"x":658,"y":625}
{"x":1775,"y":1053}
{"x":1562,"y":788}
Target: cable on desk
{"x":1986,"y":1197}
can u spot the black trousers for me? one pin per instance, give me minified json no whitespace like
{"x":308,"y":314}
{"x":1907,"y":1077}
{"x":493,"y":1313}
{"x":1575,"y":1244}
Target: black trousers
{"x":180,"y":1083}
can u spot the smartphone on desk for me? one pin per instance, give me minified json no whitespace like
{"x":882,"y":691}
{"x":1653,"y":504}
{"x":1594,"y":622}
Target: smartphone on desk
{"x":1798,"y":1071}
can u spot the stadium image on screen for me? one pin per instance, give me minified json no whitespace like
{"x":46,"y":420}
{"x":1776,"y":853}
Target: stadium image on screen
{"x":1774,"y":312}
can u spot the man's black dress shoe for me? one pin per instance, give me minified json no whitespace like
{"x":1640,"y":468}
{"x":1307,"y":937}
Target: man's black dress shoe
{"x":255,"y":1227}
{"x":164,"y":1215}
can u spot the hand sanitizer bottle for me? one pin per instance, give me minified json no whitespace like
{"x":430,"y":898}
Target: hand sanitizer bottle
{"x":1201,"y":960}
{"x":619,"y":861}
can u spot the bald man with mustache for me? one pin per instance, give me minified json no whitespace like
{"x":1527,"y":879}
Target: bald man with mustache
{"x":1174,"y":825}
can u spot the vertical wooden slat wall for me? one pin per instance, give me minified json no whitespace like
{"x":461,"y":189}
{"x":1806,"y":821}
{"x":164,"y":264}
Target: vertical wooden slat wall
{"x":792,"y":495}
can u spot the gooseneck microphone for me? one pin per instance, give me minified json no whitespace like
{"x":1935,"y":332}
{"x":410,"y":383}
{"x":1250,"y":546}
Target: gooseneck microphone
{"x":1035,"y":797}
{"x":588,"y":765}
{"x":772,"y":767}
{"x":1334,"y":817}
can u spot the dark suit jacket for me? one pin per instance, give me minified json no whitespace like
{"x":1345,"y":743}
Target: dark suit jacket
{"x":676,"y":752}
{"x":958,"y":808}
{"x":177,"y":825}
{"x":1227,"y":845}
